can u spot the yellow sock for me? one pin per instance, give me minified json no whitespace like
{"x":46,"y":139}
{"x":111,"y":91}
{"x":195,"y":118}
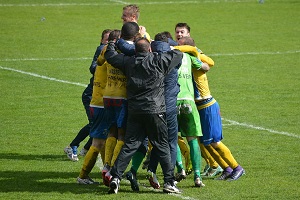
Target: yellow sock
{"x":149,"y":146}
{"x":217,"y":156}
{"x":109,"y":149}
{"x":185,"y":151}
{"x":223,"y":150}
{"x":89,"y":162}
{"x":102,"y":154}
{"x":117,"y":150}
{"x":204,"y":153}
{"x":207,"y":157}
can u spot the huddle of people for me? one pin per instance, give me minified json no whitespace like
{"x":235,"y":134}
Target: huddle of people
{"x":147,"y":96}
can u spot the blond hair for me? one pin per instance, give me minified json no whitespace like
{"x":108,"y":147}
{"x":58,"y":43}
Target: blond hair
{"x":133,"y":10}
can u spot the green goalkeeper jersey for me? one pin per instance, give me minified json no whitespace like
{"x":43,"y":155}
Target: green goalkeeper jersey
{"x":185,"y":79}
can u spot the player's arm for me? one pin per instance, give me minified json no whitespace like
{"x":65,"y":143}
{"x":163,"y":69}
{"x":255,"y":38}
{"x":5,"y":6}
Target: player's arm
{"x":125,"y":47}
{"x":101,"y":59}
{"x":144,"y":33}
{"x":171,"y":59}
{"x":197,"y":53}
{"x":198,"y":64}
{"x":94,"y":61}
{"x":204,"y":58}
{"x":114,"y":58}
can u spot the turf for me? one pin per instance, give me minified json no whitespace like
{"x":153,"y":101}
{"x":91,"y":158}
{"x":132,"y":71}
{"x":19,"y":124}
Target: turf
{"x":46,"y":50}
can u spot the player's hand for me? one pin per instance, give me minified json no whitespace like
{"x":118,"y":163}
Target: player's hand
{"x":142,"y":30}
{"x":205,"y":67}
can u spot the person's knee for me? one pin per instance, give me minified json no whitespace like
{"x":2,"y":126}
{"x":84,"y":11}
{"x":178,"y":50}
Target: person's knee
{"x":113,"y":131}
{"x":190,"y":138}
{"x":214,"y":144}
{"x":98,"y":143}
{"x":121,"y":134}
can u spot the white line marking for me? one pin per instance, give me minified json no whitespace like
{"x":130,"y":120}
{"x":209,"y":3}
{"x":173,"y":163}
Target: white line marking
{"x":42,"y":59}
{"x":182,"y":197}
{"x":256,"y":53}
{"x":261,"y":128}
{"x":43,"y":77}
{"x":123,"y":3}
{"x":231,"y":122}
{"x":186,"y":2}
{"x":54,"y":4}
{"x":216,"y":54}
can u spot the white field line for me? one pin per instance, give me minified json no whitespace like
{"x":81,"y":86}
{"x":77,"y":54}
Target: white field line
{"x":229,"y":122}
{"x":256,"y":53}
{"x":216,"y":55}
{"x":42,"y":76}
{"x":181,"y":2}
{"x":41,"y":59}
{"x":122,"y":3}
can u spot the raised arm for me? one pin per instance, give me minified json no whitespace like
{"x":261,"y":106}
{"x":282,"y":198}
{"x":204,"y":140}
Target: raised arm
{"x":171,"y":59}
{"x":197,"y":53}
{"x":125,"y":47}
{"x":198,"y":64}
{"x":114,"y":58}
{"x":94,"y":62}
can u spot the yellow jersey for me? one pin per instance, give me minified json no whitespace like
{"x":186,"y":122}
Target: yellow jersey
{"x":200,"y":78}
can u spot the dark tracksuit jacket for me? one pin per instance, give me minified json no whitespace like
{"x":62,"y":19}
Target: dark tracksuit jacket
{"x":145,"y":74}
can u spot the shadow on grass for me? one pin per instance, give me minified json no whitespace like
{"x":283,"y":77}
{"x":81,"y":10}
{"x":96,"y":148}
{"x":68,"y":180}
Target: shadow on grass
{"x":47,"y":182}
{"x":15,"y":156}
{"x":37,"y":181}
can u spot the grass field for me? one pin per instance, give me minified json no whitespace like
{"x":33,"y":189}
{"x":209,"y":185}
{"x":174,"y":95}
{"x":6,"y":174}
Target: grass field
{"x":47,"y":48}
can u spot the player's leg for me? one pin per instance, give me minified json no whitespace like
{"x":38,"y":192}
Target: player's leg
{"x":226,"y":154}
{"x":120,"y":109}
{"x":136,"y":161}
{"x":211,"y":164}
{"x":99,"y":134}
{"x":185,"y":151}
{"x":134,"y":137}
{"x":181,"y":174}
{"x":89,"y":162}
{"x":111,"y":142}
{"x":84,"y":131}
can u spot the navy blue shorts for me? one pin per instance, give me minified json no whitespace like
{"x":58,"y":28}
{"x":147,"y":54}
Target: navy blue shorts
{"x":100,"y":124}
{"x":117,"y":111}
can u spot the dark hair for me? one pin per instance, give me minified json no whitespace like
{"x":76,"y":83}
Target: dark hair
{"x":142,"y":45}
{"x":187,"y":41}
{"x":168,"y":34}
{"x":129,"y":30}
{"x":105,"y":32}
{"x":161,"y":37}
{"x":114,"y":34}
{"x":183,"y":25}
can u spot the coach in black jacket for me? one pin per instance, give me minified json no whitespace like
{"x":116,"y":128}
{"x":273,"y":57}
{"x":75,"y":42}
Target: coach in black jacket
{"x":145,"y":74}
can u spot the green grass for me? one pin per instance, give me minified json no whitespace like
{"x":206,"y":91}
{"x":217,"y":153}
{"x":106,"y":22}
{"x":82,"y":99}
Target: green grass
{"x":255,"y":80}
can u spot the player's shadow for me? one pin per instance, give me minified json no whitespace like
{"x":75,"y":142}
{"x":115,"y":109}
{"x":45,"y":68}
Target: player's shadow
{"x":15,"y":156}
{"x":48,"y":181}
{"x":44,"y":182}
